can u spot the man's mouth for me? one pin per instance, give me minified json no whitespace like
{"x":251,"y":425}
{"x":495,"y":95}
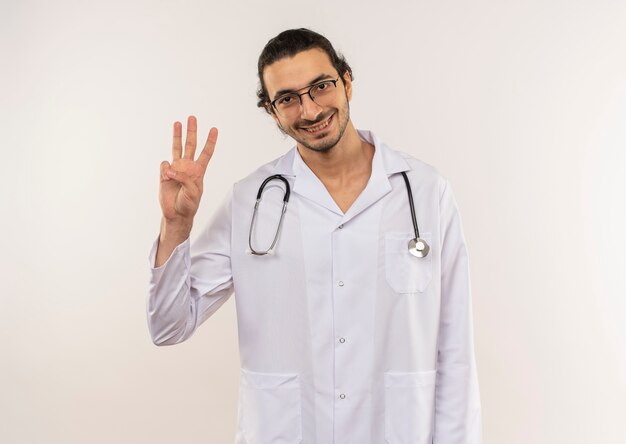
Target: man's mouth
{"x":319,"y":127}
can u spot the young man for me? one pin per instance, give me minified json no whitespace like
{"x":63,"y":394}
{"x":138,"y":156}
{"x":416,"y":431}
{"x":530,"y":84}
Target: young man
{"x":353,"y":328}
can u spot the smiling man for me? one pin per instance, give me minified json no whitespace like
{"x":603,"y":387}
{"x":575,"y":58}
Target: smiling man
{"x":348,"y":264}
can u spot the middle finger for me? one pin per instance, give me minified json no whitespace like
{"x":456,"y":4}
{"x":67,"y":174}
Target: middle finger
{"x":190,"y":141}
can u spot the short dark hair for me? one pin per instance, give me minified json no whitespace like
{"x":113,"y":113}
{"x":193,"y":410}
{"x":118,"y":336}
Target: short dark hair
{"x":288,"y":44}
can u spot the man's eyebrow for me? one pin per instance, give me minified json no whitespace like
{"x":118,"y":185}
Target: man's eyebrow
{"x":312,"y":82}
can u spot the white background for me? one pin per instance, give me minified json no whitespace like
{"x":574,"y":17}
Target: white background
{"x":521,"y":104}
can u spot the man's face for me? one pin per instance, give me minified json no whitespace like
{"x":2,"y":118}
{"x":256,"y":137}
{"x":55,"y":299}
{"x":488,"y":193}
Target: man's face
{"x":316,"y":127}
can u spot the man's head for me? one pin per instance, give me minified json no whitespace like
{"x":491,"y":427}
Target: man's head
{"x":300,"y":68}
{"x":286,"y":45}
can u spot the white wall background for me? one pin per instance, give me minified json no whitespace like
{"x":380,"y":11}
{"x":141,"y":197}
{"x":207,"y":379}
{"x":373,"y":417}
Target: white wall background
{"x":521,"y":104}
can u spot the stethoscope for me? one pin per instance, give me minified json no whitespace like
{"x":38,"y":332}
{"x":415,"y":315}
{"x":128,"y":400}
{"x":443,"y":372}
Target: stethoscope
{"x":418,"y":247}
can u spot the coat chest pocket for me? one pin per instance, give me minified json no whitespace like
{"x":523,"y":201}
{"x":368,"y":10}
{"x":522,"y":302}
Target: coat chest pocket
{"x":271,"y":408}
{"x":406,"y":273}
{"x":409,"y":407}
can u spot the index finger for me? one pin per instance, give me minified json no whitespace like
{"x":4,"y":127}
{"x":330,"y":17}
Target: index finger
{"x":177,"y":148}
{"x":209,"y":147}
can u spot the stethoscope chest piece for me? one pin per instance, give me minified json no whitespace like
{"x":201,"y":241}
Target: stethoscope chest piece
{"x":418,"y":247}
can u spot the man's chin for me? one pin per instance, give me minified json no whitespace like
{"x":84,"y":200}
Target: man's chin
{"x":322,"y":146}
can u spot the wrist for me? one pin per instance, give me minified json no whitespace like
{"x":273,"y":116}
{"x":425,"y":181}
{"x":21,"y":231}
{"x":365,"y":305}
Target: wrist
{"x":175,"y":231}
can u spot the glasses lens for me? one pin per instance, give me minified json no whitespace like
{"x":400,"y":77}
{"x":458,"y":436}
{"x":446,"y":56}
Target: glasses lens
{"x":287,"y":105}
{"x":322,"y":92}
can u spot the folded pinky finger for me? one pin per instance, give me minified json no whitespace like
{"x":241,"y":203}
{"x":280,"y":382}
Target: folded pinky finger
{"x":165,"y":166}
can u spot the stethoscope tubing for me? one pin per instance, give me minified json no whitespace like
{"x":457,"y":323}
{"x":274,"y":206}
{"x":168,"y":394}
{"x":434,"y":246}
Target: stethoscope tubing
{"x":417,"y":247}
{"x":411,"y":204}
{"x":282,"y":214}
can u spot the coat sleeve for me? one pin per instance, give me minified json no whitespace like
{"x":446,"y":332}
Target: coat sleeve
{"x":457,"y":399}
{"x":186,"y":290}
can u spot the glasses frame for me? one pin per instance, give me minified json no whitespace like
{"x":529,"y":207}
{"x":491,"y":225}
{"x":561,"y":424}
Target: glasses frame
{"x":307,"y":92}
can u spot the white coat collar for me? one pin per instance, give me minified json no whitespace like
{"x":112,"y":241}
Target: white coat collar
{"x":392,"y":161}
{"x":385,"y":163}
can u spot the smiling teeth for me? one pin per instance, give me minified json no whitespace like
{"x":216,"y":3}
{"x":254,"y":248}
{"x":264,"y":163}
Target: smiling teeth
{"x":318,"y":127}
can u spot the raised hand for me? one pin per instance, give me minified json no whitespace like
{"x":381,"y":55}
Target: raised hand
{"x":182,"y":180}
{"x":181,"y":187}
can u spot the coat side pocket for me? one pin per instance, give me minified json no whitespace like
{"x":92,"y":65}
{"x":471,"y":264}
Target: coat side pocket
{"x":409,"y":407}
{"x":271,"y":408}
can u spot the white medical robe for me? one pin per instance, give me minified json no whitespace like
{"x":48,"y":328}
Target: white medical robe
{"x":344,"y":336}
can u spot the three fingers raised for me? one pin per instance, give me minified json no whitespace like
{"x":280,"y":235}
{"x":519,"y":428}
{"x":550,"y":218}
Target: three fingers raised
{"x":191,"y":142}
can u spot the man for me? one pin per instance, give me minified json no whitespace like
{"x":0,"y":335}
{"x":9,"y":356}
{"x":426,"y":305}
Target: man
{"x":345,"y":334}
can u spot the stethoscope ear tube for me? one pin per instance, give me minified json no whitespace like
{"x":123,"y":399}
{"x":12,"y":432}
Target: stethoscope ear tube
{"x":282,"y":215}
{"x":269,"y":179}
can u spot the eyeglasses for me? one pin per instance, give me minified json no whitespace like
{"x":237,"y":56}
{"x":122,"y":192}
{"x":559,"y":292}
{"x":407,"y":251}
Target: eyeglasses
{"x":289,"y":105}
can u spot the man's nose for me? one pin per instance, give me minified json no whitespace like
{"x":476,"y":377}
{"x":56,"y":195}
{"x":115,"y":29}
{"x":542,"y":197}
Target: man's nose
{"x":310,"y":109}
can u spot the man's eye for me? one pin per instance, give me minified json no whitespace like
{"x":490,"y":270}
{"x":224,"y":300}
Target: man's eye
{"x":322,"y":86}
{"x":285,"y":100}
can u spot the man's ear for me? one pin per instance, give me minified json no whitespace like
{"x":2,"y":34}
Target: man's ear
{"x":347,"y":81}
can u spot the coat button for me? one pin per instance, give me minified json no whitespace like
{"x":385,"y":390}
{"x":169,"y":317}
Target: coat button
{"x":342,"y":396}
{"x":341,"y":283}
{"x":340,"y":226}
{"x":342,"y":340}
